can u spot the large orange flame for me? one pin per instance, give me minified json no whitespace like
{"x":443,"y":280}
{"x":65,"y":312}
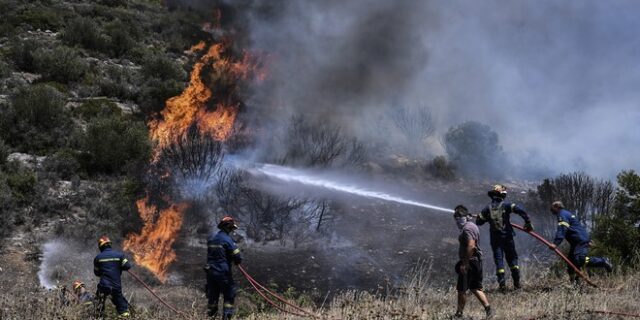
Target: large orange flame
{"x":152,"y":247}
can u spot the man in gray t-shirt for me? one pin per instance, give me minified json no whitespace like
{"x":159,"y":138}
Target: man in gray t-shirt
{"x":469,"y":268}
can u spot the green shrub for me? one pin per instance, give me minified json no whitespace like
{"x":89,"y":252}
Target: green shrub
{"x":41,"y":17}
{"x":442,"y":169}
{"x":21,"y":53}
{"x":63,"y":163}
{"x":61,"y":64}
{"x":84,"y":32}
{"x":112,"y":143}
{"x":4,"y":152}
{"x":97,"y":107}
{"x":36,"y":121}
{"x":6,"y":208}
{"x":120,"y":40}
{"x":5,"y":70}
{"x":118,"y":82}
{"x":40,"y":106}
{"x":155,"y":92}
{"x":618,"y":233}
{"x":22,"y":184}
{"x":160,"y":66}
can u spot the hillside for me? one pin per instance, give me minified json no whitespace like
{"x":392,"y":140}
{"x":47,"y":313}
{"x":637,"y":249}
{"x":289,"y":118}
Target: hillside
{"x":149,"y":121}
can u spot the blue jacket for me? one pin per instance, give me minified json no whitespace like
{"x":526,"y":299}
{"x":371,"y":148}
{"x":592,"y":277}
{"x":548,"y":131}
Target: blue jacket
{"x":500,"y":221}
{"x":108,"y":265}
{"x":221,"y":251}
{"x":570,"y":228}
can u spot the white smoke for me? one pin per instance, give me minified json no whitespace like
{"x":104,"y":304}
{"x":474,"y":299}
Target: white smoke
{"x":64,"y":261}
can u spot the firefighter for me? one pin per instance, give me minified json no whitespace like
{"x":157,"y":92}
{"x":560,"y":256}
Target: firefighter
{"x":82,"y":295}
{"x":221,"y":252}
{"x":497,"y":214}
{"x":108,"y":265}
{"x":570,"y":228}
{"x":469,"y":268}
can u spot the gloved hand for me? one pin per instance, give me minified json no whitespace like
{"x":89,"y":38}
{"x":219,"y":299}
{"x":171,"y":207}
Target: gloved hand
{"x":528,"y":226}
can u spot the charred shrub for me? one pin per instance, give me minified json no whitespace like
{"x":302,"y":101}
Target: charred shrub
{"x":475,"y":149}
{"x":111,"y":144}
{"x":441,"y":168}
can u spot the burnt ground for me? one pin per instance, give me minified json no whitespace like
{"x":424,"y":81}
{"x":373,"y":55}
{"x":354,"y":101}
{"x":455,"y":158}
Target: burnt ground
{"x":372,"y":246}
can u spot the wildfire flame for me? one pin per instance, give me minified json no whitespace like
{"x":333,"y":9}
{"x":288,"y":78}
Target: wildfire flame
{"x":152,"y":247}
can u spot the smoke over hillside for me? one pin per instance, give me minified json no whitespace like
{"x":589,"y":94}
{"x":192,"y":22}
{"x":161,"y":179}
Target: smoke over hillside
{"x":555,"y":80}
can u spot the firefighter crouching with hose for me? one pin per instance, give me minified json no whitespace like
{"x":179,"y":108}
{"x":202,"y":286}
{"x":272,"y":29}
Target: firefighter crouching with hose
{"x":221,"y":252}
{"x":497,"y":214}
{"x":570,"y":228}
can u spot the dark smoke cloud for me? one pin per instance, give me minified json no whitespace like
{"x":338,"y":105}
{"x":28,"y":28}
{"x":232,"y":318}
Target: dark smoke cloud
{"x":557,"y":80}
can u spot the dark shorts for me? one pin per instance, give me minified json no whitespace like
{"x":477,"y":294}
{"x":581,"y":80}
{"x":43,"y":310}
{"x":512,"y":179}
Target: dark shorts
{"x":472,"y":280}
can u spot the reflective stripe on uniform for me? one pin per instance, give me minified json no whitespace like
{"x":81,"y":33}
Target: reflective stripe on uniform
{"x":586,"y":260}
{"x":236,"y":251}
{"x":109,"y":260}
{"x":562,"y":223}
{"x":500,"y":271}
{"x":124,"y":261}
{"x":228,"y":305}
{"x":515,"y":267}
{"x":513,"y":206}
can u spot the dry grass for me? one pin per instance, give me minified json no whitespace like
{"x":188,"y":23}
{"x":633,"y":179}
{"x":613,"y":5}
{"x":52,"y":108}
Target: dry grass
{"x":546,"y":298}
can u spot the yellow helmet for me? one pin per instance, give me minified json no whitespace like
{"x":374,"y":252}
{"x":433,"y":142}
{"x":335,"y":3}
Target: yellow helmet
{"x":498,"y":191}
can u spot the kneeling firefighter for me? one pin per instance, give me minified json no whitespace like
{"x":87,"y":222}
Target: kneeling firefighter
{"x":221,"y":252}
{"x":497,"y":213}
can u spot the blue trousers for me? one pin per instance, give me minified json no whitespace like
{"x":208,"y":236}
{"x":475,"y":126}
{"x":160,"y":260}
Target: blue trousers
{"x":122,"y":305}
{"x":504,"y":246}
{"x":578,"y":255}
{"x":220,"y":283}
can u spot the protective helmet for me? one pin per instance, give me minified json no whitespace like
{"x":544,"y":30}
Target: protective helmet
{"x":227,"y":222}
{"x":498,"y":191}
{"x":77,"y":285}
{"x":103,"y":241}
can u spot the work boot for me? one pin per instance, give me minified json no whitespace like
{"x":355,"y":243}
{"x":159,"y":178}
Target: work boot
{"x":608,"y":265}
{"x":488,"y":312}
{"x":212,"y":311}
{"x":503,"y":287}
{"x":515,"y":275}
{"x":458,"y":315}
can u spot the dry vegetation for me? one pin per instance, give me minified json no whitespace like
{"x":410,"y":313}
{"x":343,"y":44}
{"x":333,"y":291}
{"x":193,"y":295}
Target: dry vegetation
{"x":547,"y":297}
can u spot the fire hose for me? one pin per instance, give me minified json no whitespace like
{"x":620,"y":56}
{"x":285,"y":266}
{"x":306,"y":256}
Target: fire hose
{"x":257,"y":286}
{"x":548,"y":244}
{"x":154,"y":294}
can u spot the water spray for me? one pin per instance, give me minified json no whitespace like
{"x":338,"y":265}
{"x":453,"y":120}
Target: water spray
{"x":316,"y":180}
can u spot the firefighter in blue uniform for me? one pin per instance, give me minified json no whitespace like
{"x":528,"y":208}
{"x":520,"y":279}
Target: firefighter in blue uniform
{"x":108,"y":265}
{"x":221,"y":252}
{"x":497,"y":214}
{"x":570,"y":228}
